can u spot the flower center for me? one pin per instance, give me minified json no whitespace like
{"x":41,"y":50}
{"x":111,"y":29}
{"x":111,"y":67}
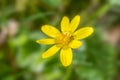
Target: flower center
{"x":64,"y":39}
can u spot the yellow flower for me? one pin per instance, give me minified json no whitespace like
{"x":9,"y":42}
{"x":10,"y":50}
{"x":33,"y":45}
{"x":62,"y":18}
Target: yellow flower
{"x":66,"y":39}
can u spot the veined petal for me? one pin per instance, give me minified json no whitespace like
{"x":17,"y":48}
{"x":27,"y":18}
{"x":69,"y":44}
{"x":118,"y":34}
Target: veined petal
{"x":66,"y":56}
{"x":74,"y":23}
{"x":75,"y":44}
{"x":83,"y":33}
{"x":65,"y":24}
{"x":51,"y":51}
{"x":46,"y":41}
{"x":50,"y":31}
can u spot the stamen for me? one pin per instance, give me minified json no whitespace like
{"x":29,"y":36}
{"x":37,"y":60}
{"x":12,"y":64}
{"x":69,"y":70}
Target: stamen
{"x":64,"y":39}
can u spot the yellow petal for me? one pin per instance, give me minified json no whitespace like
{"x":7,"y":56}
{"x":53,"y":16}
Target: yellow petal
{"x":74,"y":23}
{"x":50,"y":31}
{"x":66,"y":56}
{"x":83,"y":33}
{"x":50,"y":52}
{"x":46,"y":41}
{"x":75,"y":44}
{"x":65,"y":24}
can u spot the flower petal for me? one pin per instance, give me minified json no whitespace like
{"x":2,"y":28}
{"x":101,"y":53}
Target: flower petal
{"x":65,"y":24}
{"x":51,"y":51}
{"x":75,"y":44}
{"x":46,"y":41}
{"x":66,"y":56}
{"x":83,"y":33}
{"x":74,"y":23}
{"x":50,"y":31}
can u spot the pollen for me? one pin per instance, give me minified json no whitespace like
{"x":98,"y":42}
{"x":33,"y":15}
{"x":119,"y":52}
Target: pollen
{"x":64,"y":39}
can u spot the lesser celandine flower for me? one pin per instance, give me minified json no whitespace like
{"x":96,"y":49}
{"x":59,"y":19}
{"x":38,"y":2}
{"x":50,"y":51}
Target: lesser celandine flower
{"x":66,"y":39}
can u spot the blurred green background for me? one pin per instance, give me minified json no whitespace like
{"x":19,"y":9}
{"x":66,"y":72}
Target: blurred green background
{"x":20,"y":55}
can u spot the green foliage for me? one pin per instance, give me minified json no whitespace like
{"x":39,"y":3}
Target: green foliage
{"x":20,"y":55}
